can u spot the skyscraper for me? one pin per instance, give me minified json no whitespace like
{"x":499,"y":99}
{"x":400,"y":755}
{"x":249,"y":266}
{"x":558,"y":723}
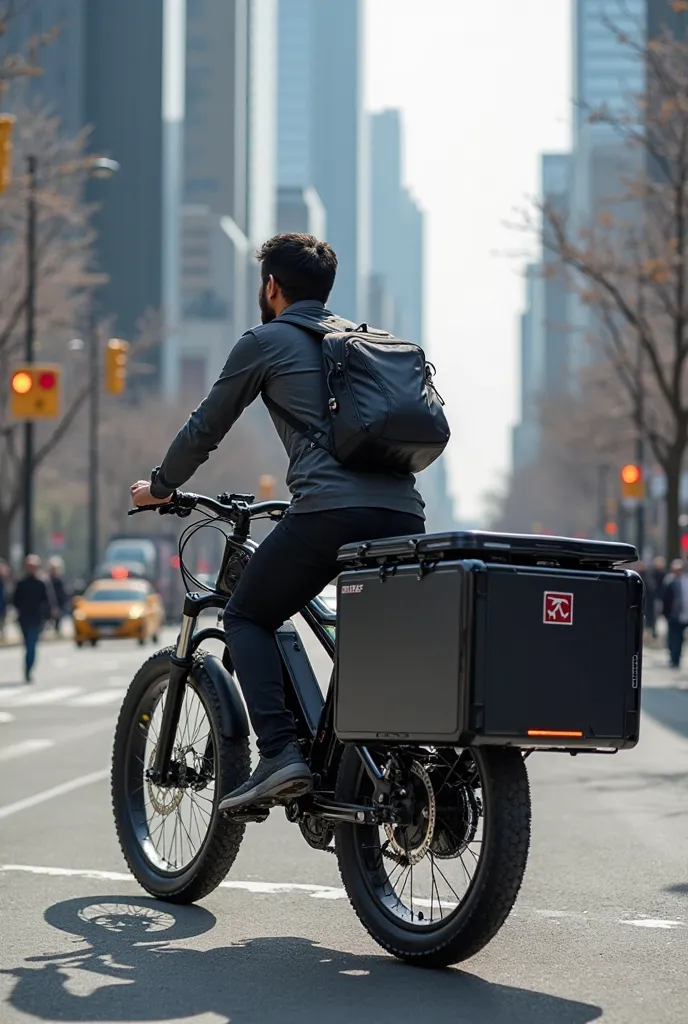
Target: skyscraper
{"x":397,"y":227}
{"x":532,"y":353}
{"x":607,"y":73}
{"x":229,"y":147}
{"x":322,"y":138}
{"x":229,"y":180}
{"x":397,"y":278}
{"x":555,"y":193}
{"x":661,"y":15}
{"x":120,"y":68}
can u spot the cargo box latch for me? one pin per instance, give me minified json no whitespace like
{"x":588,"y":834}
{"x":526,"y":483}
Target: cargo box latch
{"x":425,"y":566}
{"x":387,"y":570}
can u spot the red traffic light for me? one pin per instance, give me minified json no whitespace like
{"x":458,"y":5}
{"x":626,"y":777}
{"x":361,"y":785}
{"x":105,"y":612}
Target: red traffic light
{"x":47,"y":380}
{"x":630,"y":474}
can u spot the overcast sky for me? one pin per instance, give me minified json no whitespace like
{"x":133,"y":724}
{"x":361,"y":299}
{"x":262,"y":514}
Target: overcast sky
{"x":484,"y":88}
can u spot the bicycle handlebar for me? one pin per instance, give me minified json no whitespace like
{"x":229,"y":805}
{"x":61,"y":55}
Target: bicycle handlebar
{"x":225,"y":506}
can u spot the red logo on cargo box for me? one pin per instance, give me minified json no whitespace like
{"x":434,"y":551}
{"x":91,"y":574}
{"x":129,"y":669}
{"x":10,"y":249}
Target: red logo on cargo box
{"x":558,"y":609}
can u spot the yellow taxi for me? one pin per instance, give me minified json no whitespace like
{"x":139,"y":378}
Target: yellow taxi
{"x":117,"y":609}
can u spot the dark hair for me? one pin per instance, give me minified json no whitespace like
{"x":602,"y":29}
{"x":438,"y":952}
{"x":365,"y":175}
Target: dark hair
{"x":302,"y":266}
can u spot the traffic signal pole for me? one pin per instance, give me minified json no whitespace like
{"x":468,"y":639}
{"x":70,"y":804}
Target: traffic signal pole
{"x":93,"y":447}
{"x":29,"y":351}
{"x":640,"y":454}
{"x":640,"y":507}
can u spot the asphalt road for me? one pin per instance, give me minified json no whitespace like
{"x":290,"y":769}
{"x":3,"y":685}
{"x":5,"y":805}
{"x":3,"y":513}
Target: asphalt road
{"x":600,"y":931}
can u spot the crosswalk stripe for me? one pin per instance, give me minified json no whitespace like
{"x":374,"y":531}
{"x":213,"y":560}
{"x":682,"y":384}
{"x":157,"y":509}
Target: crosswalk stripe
{"x":92,"y":700}
{"x":24,"y":747}
{"x":8,"y":692}
{"x":50,"y":696}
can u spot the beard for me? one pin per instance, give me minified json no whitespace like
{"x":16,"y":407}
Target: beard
{"x":266,"y":314}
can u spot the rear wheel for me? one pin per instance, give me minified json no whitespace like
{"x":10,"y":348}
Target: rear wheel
{"x":177,"y":844}
{"x":435,"y":891}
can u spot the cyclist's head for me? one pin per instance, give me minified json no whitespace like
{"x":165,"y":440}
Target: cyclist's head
{"x":292,"y":268}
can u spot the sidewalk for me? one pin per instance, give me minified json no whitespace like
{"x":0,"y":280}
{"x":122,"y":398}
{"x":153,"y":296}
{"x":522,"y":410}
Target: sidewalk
{"x":657,"y":658}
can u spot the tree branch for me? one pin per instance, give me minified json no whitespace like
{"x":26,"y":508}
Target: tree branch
{"x":62,"y":427}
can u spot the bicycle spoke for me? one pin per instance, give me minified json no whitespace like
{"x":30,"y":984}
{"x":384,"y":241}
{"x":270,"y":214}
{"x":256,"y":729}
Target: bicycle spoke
{"x":175,"y":820}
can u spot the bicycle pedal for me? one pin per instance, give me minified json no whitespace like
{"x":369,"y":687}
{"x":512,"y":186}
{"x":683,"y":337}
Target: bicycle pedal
{"x":247,"y":814}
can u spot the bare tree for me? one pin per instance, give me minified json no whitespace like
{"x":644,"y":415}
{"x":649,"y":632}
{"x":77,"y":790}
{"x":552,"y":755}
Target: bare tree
{"x":65,"y":280}
{"x":630,"y":266}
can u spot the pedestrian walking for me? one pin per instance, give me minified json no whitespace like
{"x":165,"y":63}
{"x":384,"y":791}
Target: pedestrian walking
{"x":33,"y":609}
{"x":59,"y":597}
{"x":654,"y":593}
{"x":675,"y":603}
{"x":4,"y":595}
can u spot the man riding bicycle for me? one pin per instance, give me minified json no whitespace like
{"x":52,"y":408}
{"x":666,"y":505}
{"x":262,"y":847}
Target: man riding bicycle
{"x":331,"y":505}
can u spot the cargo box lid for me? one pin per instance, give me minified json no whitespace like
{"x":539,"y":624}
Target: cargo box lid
{"x":502,"y":547}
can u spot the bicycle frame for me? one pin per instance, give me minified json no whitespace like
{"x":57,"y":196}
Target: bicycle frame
{"x":312,"y":711}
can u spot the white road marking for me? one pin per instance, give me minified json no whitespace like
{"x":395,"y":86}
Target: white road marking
{"x":8,"y":692}
{"x":267,"y":888}
{"x":5,"y":717}
{"x":55,"y":791}
{"x":92,"y":700}
{"x":318,"y":892}
{"x":105,"y":876}
{"x":651,"y":922}
{"x":25,"y":747}
{"x":32,"y":698}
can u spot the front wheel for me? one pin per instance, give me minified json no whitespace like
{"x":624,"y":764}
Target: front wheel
{"x":176,"y":843}
{"x":435,"y":890}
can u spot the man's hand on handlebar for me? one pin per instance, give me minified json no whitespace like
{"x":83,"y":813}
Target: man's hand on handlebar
{"x":141,"y":495}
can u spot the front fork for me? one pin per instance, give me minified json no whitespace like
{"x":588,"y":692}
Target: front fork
{"x":181,"y":663}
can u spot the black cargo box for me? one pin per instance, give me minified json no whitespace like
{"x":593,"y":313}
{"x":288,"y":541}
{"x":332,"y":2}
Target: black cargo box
{"x":476,"y":638}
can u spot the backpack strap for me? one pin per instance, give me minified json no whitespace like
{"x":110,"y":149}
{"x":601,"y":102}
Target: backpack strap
{"x":315,"y":437}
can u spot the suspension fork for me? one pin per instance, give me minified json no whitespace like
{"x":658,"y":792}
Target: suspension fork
{"x":181,"y":662}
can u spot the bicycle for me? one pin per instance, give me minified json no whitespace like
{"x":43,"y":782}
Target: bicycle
{"x":400,"y":819}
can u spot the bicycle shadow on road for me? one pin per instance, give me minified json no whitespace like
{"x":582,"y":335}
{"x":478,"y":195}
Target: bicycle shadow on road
{"x":131,"y":971}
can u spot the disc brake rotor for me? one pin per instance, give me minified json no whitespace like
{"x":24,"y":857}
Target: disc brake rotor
{"x":412,"y":842}
{"x":163,"y":800}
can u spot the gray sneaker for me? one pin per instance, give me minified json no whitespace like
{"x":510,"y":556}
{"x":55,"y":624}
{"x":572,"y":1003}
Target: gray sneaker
{"x":276,"y":779}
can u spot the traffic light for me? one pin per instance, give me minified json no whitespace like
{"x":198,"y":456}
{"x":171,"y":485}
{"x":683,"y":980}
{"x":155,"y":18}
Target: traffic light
{"x":35,"y":392}
{"x":6,"y":129}
{"x":632,"y":482}
{"x":116,"y":366}
{"x":266,"y":487}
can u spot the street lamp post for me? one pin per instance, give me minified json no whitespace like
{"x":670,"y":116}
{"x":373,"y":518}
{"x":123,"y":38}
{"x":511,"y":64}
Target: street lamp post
{"x":99,"y":167}
{"x":95,"y":167}
{"x":29,"y":349}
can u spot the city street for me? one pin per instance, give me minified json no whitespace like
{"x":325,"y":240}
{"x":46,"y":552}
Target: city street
{"x":600,"y":931}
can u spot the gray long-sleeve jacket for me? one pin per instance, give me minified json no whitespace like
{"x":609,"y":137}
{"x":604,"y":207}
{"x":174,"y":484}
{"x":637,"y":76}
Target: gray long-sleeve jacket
{"x":284,"y":362}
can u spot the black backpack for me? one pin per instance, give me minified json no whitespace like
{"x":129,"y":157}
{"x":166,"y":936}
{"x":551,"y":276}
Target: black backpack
{"x":385,"y":414}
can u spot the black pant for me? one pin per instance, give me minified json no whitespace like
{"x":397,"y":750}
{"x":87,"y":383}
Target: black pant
{"x":292,"y":566}
{"x":676,"y":633}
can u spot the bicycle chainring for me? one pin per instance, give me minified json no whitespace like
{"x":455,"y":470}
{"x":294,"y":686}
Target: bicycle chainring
{"x":318,"y":835}
{"x":410,"y":843}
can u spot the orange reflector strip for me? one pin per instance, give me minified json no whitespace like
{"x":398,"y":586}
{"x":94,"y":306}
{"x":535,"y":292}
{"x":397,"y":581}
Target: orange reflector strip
{"x":554,"y":732}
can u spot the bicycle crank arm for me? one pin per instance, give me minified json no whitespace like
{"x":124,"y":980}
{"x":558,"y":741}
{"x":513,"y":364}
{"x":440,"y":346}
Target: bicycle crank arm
{"x":355,"y":814}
